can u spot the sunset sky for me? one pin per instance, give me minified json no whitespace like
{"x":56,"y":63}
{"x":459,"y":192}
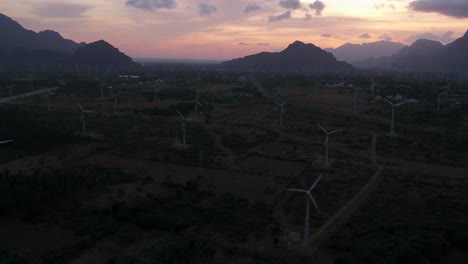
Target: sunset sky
{"x":224,"y":29}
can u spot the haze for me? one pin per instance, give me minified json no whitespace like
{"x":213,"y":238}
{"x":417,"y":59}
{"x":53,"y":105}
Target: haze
{"x":219,"y":30}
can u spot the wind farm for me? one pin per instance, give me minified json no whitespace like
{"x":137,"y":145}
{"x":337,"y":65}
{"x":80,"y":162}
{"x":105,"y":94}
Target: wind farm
{"x":295,"y":157}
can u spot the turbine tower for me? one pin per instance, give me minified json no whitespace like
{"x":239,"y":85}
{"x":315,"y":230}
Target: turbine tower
{"x":184,"y":122}
{"x":197,"y":103}
{"x":213,"y":94}
{"x":83,"y":117}
{"x":115,"y":101}
{"x":281,"y":107}
{"x":327,"y":141}
{"x":10,"y":89}
{"x":50,"y":106}
{"x":155,"y":92}
{"x":309,"y":198}
{"x":392,"y":124}
{"x":439,"y":96}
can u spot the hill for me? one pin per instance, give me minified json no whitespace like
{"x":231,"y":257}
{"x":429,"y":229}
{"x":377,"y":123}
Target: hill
{"x":358,"y":52}
{"x":297,"y":56}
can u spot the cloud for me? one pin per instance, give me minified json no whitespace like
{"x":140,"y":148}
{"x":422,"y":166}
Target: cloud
{"x":151,"y":4}
{"x":243,"y":44}
{"x":285,"y":15}
{"x":385,"y":37}
{"x":326,"y":35}
{"x":445,"y":38}
{"x":207,"y":9}
{"x":263,"y":44}
{"x":452,"y":8}
{"x":318,"y":6}
{"x":252,"y":8}
{"x":365,"y":36}
{"x":61,"y":10}
{"x":290,"y":4}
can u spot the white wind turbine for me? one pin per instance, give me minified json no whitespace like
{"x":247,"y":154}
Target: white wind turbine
{"x":115,"y":101}
{"x":50,"y":106}
{"x":439,"y":96}
{"x":213,"y":94}
{"x":197,"y":103}
{"x":281,"y":107}
{"x":184,"y":122}
{"x":373,"y":86}
{"x":309,"y":198}
{"x":156,"y":92}
{"x":355,"y":98}
{"x":10,"y":89}
{"x":392,"y":124}
{"x":83,"y":117}
{"x":326,"y":145}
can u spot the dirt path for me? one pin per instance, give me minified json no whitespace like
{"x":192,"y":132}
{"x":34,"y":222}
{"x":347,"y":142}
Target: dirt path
{"x":346,"y":211}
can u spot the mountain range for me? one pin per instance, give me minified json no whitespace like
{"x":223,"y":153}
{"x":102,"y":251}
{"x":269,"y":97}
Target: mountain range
{"x":359,"y":52}
{"x":297,"y":56}
{"x":425,"y":55}
{"x":21,"y":46}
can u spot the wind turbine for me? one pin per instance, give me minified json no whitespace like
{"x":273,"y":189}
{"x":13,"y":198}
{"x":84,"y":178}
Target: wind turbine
{"x":373,"y":86}
{"x":309,"y":198}
{"x":392,"y":130}
{"x":355,"y":98}
{"x":6,"y":141}
{"x":10,"y":89}
{"x":184,"y":122}
{"x":49,"y":101}
{"x":83,"y":117}
{"x":281,"y":107}
{"x":439,"y":95}
{"x":197,"y":103}
{"x":155,"y":93}
{"x":327,"y":141}
{"x":115,"y":101}
{"x":213,"y":93}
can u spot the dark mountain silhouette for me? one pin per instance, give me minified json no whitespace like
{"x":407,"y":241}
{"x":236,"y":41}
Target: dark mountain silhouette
{"x":19,"y":46}
{"x":297,"y":56}
{"x":358,"y":52}
{"x":15,"y":37}
{"x":425,"y":55}
{"x":101,"y":53}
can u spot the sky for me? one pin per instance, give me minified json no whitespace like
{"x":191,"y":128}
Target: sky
{"x":226,"y":29}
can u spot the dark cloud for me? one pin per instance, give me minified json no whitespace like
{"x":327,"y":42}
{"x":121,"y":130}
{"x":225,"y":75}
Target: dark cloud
{"x":152,"y":4}
{"x":243,"y":44}
{"x":445,"y":38}
{"x":252,"y":8}
{"x":262,"y":44}
{"x":365,"y":36}
{"x":285,"y":15}
{"x":290,"y":4}
{"x":326,"y":35}
{"x":453,"y":8}
{"x":207,"y":9}
{"x":385,"y":37}
{"x":318,"y":6}
{"x":61,"y":10}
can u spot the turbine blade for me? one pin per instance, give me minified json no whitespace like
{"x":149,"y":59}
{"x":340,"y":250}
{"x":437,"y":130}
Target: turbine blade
{"x":323,"y":129}
{"x":6,"y":141}
{"x":81,"y":107}
{"x":182,"y":116}
{"x":335,"y":131}
{"x":389,"y":102}
{"x":296,"y":190}
{"x":313,"y":202}
{"x":315,"y":183}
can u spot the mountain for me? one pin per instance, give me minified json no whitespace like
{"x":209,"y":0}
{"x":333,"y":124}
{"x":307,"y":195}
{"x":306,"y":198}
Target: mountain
{"x":297,"y":56}
{"x":19,"y":46}
{"x":425,"y":55}
{"x":358,"y":52}
{"x":15,"y":37}
{"x":101,"y":53}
